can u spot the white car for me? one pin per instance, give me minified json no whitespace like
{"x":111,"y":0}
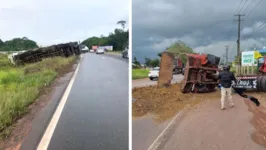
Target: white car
{"x":100,"y":51}
{"x":91,"y":51}
{"x":154,"y":73}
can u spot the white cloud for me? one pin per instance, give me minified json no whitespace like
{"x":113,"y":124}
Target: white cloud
{"x":47,"y":21}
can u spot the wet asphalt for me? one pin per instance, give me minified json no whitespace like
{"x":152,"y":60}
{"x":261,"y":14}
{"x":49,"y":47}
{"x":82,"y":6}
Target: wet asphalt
{"x":96,"y":113}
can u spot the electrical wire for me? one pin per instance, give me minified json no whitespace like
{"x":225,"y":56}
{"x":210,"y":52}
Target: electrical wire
{"x":242,"y":7}
{"x":239,"y":5}
{"x":253,"y":8}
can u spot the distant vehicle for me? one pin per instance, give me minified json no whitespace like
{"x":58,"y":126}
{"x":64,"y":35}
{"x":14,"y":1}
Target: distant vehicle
{"x":91,"y":51}
{"x":125,"y":53}
{"x":178,"y":66}
{"x":154,"y":73}
{"x":100,"y":51}
{"x":84,"y":48}
{"x":183,"y":71}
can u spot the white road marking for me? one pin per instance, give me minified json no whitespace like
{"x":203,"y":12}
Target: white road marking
{"x":43,"y":145}
{"x":160,"y":139}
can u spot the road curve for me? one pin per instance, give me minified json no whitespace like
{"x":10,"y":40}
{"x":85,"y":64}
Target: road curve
{"x":95,"y":115}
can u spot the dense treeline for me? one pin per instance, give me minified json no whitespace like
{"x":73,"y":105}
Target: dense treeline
{"x":118,"y":39}
{"x":17,"y":44}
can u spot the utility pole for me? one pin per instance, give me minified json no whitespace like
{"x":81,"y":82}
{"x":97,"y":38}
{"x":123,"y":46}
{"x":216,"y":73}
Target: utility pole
{"x":226,"y":54}
{"x":238,"y":37}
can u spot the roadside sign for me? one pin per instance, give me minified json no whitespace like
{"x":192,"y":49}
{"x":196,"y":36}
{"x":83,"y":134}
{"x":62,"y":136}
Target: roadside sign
{"x":248,"y":58}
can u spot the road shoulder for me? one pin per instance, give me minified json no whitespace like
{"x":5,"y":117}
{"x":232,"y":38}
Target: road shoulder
{"x":27,"y":131}
{"x":209,"y":128}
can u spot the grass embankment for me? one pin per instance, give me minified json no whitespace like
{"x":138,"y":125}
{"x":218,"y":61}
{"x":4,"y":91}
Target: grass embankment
{"x":139,"y":73}
{"x":20,"y":86}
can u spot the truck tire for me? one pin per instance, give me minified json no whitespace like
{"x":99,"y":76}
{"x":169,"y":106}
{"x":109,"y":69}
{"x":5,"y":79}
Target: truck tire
{"x":263,"y":83}
{"x":175,"y":71}
{"x":259,"y":83}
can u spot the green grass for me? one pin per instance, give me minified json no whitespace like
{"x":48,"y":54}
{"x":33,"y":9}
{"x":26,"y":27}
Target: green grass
{"x":114,"y":52}
{"x":20,"y":86}
{"x":139,"y":73}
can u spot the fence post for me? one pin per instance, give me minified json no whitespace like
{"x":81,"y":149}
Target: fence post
{"x":252,"y":69}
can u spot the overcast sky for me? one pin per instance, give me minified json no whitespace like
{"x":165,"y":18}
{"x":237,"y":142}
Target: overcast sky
{"x":207,"y":26}
{"x":54,"y":21}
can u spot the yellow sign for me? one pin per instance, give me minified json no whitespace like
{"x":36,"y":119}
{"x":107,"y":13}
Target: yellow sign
{"x":257,"y":55}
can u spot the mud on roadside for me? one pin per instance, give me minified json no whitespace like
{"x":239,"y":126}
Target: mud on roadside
{"x":259,"y":119}
{"x":164,"y":103}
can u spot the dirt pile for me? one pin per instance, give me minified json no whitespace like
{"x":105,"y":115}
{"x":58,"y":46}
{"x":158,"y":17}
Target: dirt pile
{"x":166,"y":70}
{"x":165,"y":102}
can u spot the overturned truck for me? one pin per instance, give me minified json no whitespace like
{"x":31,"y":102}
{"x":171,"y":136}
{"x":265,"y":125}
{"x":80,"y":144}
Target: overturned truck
{"x":201,"y":72}
{"x":35,"y":55}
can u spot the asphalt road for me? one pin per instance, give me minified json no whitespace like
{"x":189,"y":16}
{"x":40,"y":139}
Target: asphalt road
{"x":148,"y":82}
{"x":96,"y":112}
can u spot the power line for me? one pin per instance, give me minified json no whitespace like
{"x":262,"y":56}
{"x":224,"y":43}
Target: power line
{"x":260,"y":26}
{"x":242,"y":7}
{"x":253,"y":8}
{"x":248,"y":5}
{"x":239,"y":6}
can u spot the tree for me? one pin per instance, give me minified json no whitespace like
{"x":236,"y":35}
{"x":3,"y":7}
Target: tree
{"x":118,"y":39}
{"x":147,"y":62}
{"x":155,"y":62}
{"x":1,"y":43}
{"x":136,"y":62}
{"x":122,"y":23}
{"x":180,"y":47}
{"x":18,"y":44}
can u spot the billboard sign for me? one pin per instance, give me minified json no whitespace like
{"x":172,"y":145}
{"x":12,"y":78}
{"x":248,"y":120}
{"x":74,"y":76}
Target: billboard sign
{"x":94,"y":47}
{"x":110,"y":48}
{"x":248,"y":58}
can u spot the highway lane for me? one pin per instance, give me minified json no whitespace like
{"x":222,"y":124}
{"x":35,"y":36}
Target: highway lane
{"x":96,"y":113}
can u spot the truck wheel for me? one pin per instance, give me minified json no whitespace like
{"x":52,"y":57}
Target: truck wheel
{"x":175,"y":71}
{"x":263,"y":83}
{"x":151,"y":78}
{"x":259,"y":83}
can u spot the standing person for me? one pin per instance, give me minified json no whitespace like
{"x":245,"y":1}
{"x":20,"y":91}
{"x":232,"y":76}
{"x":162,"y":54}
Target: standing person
{"x":226,"y":77}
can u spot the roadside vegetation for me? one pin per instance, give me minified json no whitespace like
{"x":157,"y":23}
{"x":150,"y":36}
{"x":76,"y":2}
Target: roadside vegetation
{"x":21,"y":86}
{"x":140,"y":73}
{"x":118,"y":38}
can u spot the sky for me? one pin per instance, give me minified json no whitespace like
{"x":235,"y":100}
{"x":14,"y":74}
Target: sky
{"x":52,"y":22}
{"x":206,"y":26}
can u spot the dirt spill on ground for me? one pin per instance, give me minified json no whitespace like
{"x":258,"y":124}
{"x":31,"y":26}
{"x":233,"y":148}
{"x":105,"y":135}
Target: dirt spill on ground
{"x":165,"y":102}
{"x":259,"y":119}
